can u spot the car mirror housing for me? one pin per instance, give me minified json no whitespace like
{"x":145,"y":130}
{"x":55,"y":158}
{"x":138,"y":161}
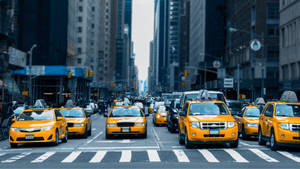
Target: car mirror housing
{"x":182,"y":113}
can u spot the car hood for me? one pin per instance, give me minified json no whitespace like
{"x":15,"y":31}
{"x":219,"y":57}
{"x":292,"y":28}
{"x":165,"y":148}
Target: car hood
{"x":33,"y":124}
{"x":125,"y":119}
{"x":211,"y":118}
{"x":252,"y":119}
{"x":75,"y":120}
{"x":294,"y":120}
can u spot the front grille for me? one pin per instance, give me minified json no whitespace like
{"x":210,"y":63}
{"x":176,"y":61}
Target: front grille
{"x":295,"y":127}
{"x":213,"y":125}
{"x":296,"y":138}
{"x":35,"y":139}
{"x":214,"y":135}
{"x":125,"y":124}
{"x":70,"y":124}
{"x":30,"y":131}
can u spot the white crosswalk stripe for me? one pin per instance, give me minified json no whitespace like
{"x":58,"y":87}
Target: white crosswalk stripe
{"x":236,"y":156}
{"x":263,"y":155}
{"x":290,"y":156}
{"x":43,"y":157}
{"x":2,"y":154}
{"x":98,"y":157}
{"x":209,"y":156}
{"x":181,"y":156}
{"x":71,"y":157}
{"x":126,"y":156}
{"x":153,"y":156}
{"x":17,"y":157}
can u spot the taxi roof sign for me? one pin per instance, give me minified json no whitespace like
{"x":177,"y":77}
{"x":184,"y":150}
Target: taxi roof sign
{"x":289,"y":96}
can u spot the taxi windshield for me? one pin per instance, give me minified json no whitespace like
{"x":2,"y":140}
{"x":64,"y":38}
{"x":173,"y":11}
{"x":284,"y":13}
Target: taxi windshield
{"x":208,"y":109}
{"x":192,"y":96}
{"x":72,"y":113}
{"x":126,"y":112}
{"x":252,"y":112}
{"x":162,"y":110}
{"x":37,"y":115}
{"x":288,"y":110}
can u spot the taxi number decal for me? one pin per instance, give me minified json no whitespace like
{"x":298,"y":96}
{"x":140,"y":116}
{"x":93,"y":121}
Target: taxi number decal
{"x":214,"y":131}
{"x":29,"y":137}
{"x":125,"y":130}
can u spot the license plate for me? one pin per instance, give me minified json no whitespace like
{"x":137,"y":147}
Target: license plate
{"x":125,"y":130}
{"x":214,"y":132}
{"x":29,"y":137}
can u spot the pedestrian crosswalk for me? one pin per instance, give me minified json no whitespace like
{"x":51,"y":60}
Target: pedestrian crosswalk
{"x":154,"y":156}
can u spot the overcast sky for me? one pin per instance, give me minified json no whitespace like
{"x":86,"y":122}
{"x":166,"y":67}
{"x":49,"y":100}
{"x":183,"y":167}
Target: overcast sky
{"x":142,"y":27}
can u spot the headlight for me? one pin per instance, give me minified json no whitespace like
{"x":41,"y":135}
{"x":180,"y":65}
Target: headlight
{"x":252,"y":124}
{"x":46,"y":128}
{"x":231,"y":124}
{"x":195,"y":124}
{"x":158,"y":116}
{"x":14,"y":129}
{"x":78,"y":124}
{"x":139,"y":124}
{"x":285,"y":126}
{"x":111,"y":125}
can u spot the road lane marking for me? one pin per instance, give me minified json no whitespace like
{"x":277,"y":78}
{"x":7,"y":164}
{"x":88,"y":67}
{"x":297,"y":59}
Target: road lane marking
{"x":181,"y":156}
{"x":15,"y":158}
{"x":98,"y":157}
{"x":263,"y":155}
{"x":43,"y":157}
{"x":153,"y":156}
{"x":236,"y":156}
{"x":112,"y":141}
{"x":71,"y":157}
{"x":209,"y":156}
{"x":290,"y":156}
{"x":245,"y":144}
{"x":126,"y":156}
{"x":157,"y":139}
{"x":118,"y":148}
{"x":2,"y":154}
{"x":91,"y":140}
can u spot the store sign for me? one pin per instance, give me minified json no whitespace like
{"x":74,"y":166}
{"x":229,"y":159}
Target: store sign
{"x":17,"y":57}
{"x":228,"y":83}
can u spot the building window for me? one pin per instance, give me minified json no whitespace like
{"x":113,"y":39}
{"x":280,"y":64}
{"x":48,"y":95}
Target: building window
{"x":79,"y":29}
{"x":79,"y":19}
{"x":283,"y":36}
{"x":79,"y":40}
{"x":79,"y":61}
{"x":93,"y":25}
{"x":79,"y":50}
{"x":273,"y":11}
{"x":80,"y":8}
{"x":273,"y":30}
{"x":93,"y":8}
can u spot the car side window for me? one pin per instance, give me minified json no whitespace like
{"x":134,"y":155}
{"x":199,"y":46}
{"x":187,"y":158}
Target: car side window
{"x":269,"y":111}
{"x":185,"y":109}
{"x":57,"y":114}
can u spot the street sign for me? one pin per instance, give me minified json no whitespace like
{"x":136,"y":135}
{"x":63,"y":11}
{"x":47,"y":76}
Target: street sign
{"x":228,"y":82}
{"x":217,"y":64}
{"x":255,"y":45}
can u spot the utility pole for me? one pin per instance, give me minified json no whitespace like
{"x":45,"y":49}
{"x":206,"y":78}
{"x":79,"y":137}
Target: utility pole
{"x":30,"y":67}
{"x":238,"y":82}
{"x":262,"y":67}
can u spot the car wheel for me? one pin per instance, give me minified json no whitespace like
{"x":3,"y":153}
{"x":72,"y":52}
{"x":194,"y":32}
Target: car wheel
{"x":144,"y":135}
{"x":13,"y":145}
{"x":273,"y":143}
{"x":180,"y":138}
{"x":188,"y":145}
{"x":90,"y":132}
{"x":65,"y":139}
{"x":261,"y":141}
{"x":235,"y":144}
{"x":56,"y":142}
{"x":85,"y":135}
{"x":244,"y":135}
{"x":108,"y":136}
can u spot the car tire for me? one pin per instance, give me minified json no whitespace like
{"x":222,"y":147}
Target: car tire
{"x":90,"y":132}
{"x":144,"y":135}
{"x":261,"y":140}
{"x":273,"y":143}
{"x":65,"y":139}
{"x":244,"y":135}
{"x":180,"y":138}
{"x":188,"y":145}
{"x":85,"y":135}
{"x":235,"y":144}
{"x":56,"y":142}
{"x":13,"y":145}
{"x":108,"y":136}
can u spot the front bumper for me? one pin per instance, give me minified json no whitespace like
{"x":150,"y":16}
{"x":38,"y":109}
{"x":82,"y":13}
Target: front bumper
{"x":161,"y":120}
{"x":286,"y":137}
{"x":132,"y":130}
{"x":251,"y":131}
{"x":39,"y":137}
{"x":76,"y":130}
{"x":197,"y":135}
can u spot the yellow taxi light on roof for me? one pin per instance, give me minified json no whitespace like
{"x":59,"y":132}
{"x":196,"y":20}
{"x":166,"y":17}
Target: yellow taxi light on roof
{"x":289,"y":96}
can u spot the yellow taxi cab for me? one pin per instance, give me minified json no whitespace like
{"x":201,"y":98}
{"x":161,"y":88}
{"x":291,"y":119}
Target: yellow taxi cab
{"x":38,"y":126}
{"x":129,"y":120}
{"x":79,"y":122}
{"x":160,"y":116}
{"x":279,"y":123}
{"x":248,"y":120}
{"x":207,"y":122}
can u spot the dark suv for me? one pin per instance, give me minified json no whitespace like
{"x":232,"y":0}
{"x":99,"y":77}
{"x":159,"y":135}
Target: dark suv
{"x":172,"y":117}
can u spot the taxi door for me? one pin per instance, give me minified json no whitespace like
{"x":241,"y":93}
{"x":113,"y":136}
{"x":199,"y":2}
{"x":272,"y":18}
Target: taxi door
{"x":60,"y":123}
{"x":266,"y":119}
{"x":239,"y":119}
{"x":183,"y":119}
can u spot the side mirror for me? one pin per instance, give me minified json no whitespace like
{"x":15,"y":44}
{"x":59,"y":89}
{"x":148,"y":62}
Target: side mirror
{"x":182,"y":113}
{"x":14,"y":119}
{"x":88,"y":114}
{"x":59,"y":118}
{"x":105,"y":114}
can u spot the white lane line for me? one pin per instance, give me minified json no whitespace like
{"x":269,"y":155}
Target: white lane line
{"x":43,"y":157}
{"x":15,"y":158}
{"x":181,"y":156}
{"x":236,"y":156}
{"x":263,"y":155}
{"x":91,"y":140}
{"x":290,"y":156}
{"x":2,"y":154}
{"x":209,"y":156}
{"x":98,"y":157}
{"x":153,"y":156}
{"x":126,"y":156}
{"x":118,"y":148}
{"x":245,"y":144}
{"x":71,"y":157}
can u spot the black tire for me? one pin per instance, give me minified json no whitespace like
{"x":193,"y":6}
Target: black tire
{"x":180,"y":138}
{"x":273,"y":143}
{"x":56,"y":142}
{"x":235,"y":144}
{"x":188,"y":145}
{"x":261,"y":140}
{"x":244,"y":135}
{"x":108,"y":136}
{"x":13,"y":145}
{"x":90,"y":131}
{"x":85,"y":135}
{"x":65,"y":139}
{"x":145,"y":134}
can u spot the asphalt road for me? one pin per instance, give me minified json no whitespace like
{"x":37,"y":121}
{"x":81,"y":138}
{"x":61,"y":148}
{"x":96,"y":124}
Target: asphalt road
{"x":159,"y":150}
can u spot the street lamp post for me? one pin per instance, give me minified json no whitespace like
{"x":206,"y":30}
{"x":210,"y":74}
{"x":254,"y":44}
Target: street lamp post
{"x":30,"y":67}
